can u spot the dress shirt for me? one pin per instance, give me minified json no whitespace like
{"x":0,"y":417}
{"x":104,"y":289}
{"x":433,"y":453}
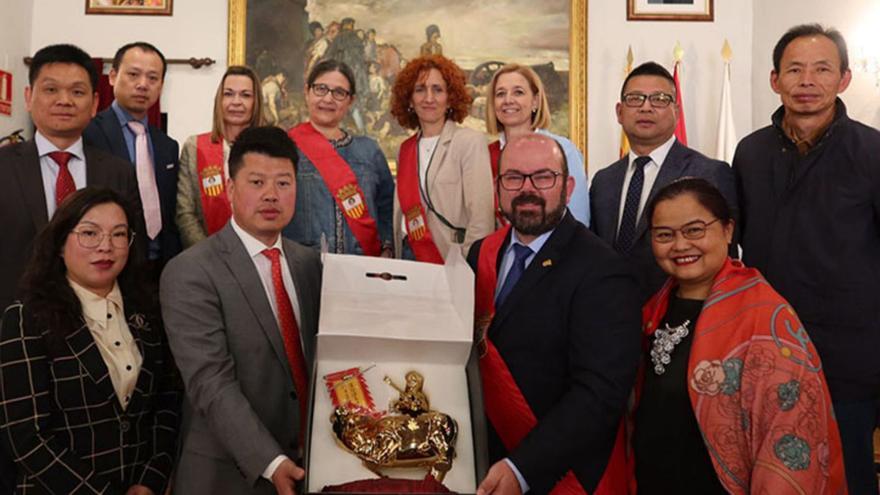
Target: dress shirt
{"x":510,"y":256}
{"x":652,"y":168}
{"x":254,"y":248}
{"x":49,"y":169}
{"x":105,"y":317}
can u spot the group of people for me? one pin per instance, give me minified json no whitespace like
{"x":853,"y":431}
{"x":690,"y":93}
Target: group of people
{"x":623,"y":346}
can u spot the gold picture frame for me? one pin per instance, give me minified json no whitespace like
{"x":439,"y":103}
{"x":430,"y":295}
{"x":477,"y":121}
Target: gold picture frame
{"x":129,"y":7}
{"x":577,"y":68}
{"x":670,"y":10}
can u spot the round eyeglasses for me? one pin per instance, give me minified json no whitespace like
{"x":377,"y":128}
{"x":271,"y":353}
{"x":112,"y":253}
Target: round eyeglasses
{"x":690,"y":231}
{"x":514,"y":181}
{"x":92,"y":238}
{"x":339,"y":94}
{"x":657,"y":100}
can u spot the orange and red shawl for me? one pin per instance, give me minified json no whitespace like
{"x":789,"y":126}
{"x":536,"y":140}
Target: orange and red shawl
{"x":757,"y":389}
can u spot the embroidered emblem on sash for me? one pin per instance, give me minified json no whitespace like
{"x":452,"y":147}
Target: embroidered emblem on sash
{"x":212,"y":181}
{"x":351,"y":200}
{"x":415,"y":223}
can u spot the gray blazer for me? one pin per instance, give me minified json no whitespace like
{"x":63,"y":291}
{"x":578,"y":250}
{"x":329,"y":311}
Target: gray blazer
{"x":606,"y":193}
{"x":241,"y":409}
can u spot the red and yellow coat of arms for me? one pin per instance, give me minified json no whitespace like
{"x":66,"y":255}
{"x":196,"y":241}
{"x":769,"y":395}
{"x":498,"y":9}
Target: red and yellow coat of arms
{"x":212,"y":180}
{"x":415,"y":223}
{"x":351,"y":200}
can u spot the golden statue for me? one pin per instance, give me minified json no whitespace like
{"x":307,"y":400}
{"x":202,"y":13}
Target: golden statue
{"x":411,"y":435}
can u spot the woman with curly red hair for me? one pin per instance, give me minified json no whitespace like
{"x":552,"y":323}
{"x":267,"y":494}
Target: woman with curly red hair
{"x":444,"y":183}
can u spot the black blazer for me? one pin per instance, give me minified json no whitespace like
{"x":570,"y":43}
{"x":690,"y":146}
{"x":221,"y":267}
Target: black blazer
{"x":570,"y":334}
{"x":62,"y":422}
{"x":105,"y":132}
{"x":23,"y":203}
{"x":606,"y":193}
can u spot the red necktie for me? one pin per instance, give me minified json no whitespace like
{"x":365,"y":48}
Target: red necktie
{"x":290,"y":333}
{"x":64,"y":185}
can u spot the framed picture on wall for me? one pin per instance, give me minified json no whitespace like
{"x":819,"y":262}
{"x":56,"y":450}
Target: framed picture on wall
{"x":129,"y":7}
{"x":282,"y":39}
{"x":670,"y":10}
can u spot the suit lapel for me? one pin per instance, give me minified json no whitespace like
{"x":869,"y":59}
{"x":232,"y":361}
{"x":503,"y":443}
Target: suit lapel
{"x":612,"y":213}
{"x":673,"y":167}
{"x":148,"y":345}
{"x":30,"y":179}
{"x":242,"y":267}
{"x":108,"y":122}
{"x":84,"y":348}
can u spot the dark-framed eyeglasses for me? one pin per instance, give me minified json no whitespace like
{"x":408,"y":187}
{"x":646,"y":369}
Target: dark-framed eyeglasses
{"x":691,"y":231}
{"x":91,"y":238}
{"x":339,"y":94}
{"x":657,"y":100}
{"x":542,"y":179}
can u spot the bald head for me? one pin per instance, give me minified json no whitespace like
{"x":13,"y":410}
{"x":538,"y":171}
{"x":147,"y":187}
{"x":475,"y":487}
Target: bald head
{"x":526,"y":149}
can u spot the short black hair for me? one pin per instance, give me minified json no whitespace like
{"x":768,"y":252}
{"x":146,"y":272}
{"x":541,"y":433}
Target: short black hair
{"x":265,"y":140}
{"x":315,"y":25}
{"x":802,"y":30}
{"x":143,"y":45}
{"x":332,"y":65}
{"x":63,"y":54}
{"x":649,"y":69}
{"x":702,"y":190}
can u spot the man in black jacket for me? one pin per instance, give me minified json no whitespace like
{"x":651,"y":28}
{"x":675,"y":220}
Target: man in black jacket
{"x":809,"y":190}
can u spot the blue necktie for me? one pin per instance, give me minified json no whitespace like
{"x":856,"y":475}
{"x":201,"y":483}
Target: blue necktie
{"x":521,"y":253}
{"x":626,"y":234}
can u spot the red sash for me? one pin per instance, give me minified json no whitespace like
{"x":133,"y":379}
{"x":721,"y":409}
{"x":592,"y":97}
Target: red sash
{"x":506,"y":407}
{"x":495,"y":161}
{"x":418,"y":234}
{"x":342,"y":183}
{"x":212,"y":182}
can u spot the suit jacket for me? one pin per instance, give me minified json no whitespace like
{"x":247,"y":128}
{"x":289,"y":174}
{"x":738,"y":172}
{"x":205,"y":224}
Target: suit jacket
{"x":569,"y":332}
{"x":459,"y":186}
{"x":105,"y":132}
{"x":607,"y":193}
{"x":241,"y":410}
{"x":62,"y":421}
{"x":23,"y":203}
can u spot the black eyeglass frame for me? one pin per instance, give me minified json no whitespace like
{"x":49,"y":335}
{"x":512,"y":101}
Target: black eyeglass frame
{"x":338,"y":94}
{"x":657,"y":100}
{"x":531,"y":177}
{"x":699,"y":231}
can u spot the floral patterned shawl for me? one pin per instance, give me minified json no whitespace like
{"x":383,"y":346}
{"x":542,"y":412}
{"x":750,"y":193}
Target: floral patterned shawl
{"x":757,"y":389}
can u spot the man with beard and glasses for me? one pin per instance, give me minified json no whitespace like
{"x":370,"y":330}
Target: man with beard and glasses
{"x":557,"y":311}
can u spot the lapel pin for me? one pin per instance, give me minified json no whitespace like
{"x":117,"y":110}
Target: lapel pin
{"x":547,"y":262}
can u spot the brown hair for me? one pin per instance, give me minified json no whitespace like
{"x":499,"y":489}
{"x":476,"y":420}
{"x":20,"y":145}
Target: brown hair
{"x":218,"y":130}
{"x":401,"y":96}
{"x":540,"y":118}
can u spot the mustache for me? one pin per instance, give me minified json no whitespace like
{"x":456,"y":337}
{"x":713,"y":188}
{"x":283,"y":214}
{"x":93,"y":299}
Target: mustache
{"x":526,"y":198}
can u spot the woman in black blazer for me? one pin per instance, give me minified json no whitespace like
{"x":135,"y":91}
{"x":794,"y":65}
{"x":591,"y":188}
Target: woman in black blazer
{"x":89,"y":392}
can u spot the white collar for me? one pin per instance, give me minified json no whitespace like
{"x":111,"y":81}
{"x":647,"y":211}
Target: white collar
{"x":94,"y":307}
{"x":44,"y":146}
{"x":658,"y":154}
{"x":252,"y":245}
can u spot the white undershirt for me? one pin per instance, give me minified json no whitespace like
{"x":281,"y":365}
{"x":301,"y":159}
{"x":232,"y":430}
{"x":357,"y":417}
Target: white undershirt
{"x":652,"y":169}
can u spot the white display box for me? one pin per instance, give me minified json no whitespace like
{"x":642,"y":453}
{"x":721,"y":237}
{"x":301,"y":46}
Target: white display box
{"x":419,"y":319}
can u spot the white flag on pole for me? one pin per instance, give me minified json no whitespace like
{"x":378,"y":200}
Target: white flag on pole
{"x":726,"y":130}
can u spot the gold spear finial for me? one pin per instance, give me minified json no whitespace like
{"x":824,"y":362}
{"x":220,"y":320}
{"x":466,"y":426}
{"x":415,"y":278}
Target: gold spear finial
{"x":678,"y":52}
{"x":726,"y":52}
{"x":629,"y":58}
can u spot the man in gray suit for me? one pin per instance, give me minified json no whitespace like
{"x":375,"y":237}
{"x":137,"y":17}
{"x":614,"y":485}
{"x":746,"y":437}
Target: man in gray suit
{"x":241,"y":313}
{"x":619,"y":193}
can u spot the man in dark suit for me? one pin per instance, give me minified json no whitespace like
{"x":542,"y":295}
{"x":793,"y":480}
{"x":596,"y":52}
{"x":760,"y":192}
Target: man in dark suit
{"x":619,"y":193}
{"x":61,"y":98}
{"x":809,"y":184}
{"x":137,"y":76}
{"x":241,"y":313}
{"x":562,"y":336}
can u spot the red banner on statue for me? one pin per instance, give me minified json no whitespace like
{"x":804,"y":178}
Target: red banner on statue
{"x":5,"y":93}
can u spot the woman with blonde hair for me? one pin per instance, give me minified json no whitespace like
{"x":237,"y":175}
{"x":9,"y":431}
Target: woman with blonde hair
{"x":202,"y":206}
{"x":516,"y":104}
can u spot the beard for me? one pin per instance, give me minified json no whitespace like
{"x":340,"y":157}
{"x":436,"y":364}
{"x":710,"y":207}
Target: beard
{"x":534,"y":223}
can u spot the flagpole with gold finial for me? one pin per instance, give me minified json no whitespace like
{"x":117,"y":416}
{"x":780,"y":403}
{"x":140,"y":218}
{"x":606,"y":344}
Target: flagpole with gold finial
{"x":726,"y":141}
{"x":680,"y":128}
{"x":624,"y":142}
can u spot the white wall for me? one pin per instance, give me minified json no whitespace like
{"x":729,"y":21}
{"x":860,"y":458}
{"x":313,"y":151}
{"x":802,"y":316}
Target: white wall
{"x":15,"y":28}
{"x":610,"y":34}
{"x":197,"y":29}
{"x":857,"y":20}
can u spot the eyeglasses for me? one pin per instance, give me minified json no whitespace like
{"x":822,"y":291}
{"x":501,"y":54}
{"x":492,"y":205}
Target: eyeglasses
{"x":658,"y":100}
{"x":92,"y":238}
{"x":339,"y":94}
{"x":691,"y":231}
{"x":514,"y":181}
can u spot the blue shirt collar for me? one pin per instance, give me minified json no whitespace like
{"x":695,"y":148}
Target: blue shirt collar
{"x":124,"y":117}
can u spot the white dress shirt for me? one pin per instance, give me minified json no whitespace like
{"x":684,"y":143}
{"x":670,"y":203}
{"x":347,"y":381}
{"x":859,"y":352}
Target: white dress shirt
{"x":652,"y":168}
{"x":49,"y":169}
{"x":105,"y":317}
{"x":254,"y":248}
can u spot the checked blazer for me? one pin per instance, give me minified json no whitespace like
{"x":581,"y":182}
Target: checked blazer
{"x":61,"y":420}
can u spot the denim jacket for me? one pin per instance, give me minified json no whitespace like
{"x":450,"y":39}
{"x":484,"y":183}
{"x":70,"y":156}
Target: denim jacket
{"x":317,"y":212}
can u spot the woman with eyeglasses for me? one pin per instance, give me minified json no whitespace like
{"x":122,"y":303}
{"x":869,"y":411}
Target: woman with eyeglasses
{"x":202,"y":205}
{"x":445,"y":195}
{"x":344,"y":187}
{"x":731,"y":397}
{"x":89,"y":389}
{"x":516,"y":105}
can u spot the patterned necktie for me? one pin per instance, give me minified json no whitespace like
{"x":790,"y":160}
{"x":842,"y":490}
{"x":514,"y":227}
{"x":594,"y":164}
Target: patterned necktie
{"x":146,"y":178}
{"x":626,"y":233}
{"x":521,"y":253}
{"x":64,"y":185}
{"x":290,"y":334}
